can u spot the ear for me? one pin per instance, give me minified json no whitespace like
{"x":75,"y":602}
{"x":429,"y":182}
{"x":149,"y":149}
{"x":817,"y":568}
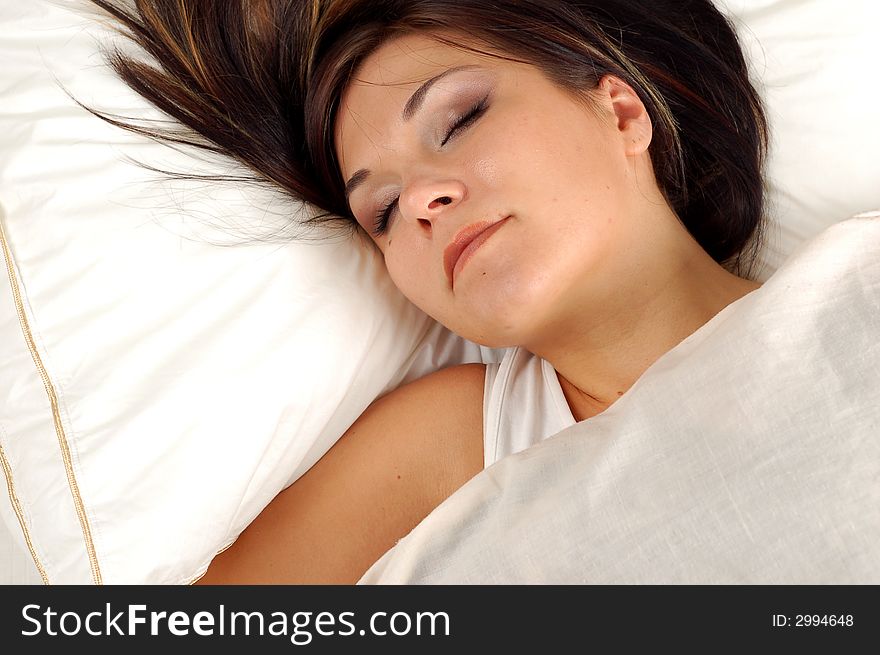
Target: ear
{"x":633,"y":122}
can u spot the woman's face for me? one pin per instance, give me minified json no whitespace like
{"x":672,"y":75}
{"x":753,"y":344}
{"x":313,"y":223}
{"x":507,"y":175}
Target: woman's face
{"x":501,"y":202}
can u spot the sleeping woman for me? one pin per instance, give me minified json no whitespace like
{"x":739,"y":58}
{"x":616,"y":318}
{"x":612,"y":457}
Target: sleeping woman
{"x":577,"y":181}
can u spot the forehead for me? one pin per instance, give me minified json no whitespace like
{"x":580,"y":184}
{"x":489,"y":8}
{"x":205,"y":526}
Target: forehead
{"x":409,"y":60}
{"x":373,"y":100}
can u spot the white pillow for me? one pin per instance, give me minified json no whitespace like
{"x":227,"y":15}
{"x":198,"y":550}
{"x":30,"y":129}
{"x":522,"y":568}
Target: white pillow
{"x":815,"y":64}
{"x":174,"y":386}
{"x":193,"y":382}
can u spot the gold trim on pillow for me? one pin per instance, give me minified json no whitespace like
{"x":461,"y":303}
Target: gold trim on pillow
{"x":20,"y":514}
{"x":56,"y":414}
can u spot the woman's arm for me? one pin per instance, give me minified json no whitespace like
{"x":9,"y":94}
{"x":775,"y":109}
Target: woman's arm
{"x":410,"y":450}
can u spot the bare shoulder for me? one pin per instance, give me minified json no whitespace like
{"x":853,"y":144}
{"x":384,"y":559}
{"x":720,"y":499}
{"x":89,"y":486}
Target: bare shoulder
{"x":436,"y":425}
{"x":457,"y":388}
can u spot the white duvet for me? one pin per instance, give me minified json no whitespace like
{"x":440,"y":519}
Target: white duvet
{"x":750,"y":453}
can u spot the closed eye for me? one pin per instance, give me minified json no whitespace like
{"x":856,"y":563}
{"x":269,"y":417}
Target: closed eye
{"x":383,"y":216}
{"x":467,"y":119}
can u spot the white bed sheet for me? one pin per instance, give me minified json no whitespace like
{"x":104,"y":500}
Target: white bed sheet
{"x":750,"y":453}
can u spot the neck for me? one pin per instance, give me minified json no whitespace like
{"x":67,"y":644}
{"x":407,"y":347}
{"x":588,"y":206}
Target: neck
{"x":598,"y":358}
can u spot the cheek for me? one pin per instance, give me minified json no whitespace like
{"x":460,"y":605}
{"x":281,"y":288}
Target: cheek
{"x":485,"y":171}
{"x":411,"y":274}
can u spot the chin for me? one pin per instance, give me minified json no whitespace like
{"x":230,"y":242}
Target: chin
{"x":500,"y":312}
{"x":499,"y":326}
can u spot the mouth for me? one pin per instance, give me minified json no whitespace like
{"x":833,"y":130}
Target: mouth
{"x":465,"y":243}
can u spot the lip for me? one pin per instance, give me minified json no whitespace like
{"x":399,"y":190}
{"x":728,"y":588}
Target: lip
{"x":465,"y":243}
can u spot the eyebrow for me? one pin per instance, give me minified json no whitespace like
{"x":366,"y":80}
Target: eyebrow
{"x":412,"y":106}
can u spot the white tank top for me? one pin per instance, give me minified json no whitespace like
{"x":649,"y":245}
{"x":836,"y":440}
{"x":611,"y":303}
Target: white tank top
{"x":523,"y":404}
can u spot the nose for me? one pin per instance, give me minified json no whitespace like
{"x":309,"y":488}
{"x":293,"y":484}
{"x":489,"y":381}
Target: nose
{"x":426,"y":201}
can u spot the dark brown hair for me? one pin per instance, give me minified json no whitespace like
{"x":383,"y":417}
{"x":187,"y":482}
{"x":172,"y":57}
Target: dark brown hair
{"x":260,"y":80}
